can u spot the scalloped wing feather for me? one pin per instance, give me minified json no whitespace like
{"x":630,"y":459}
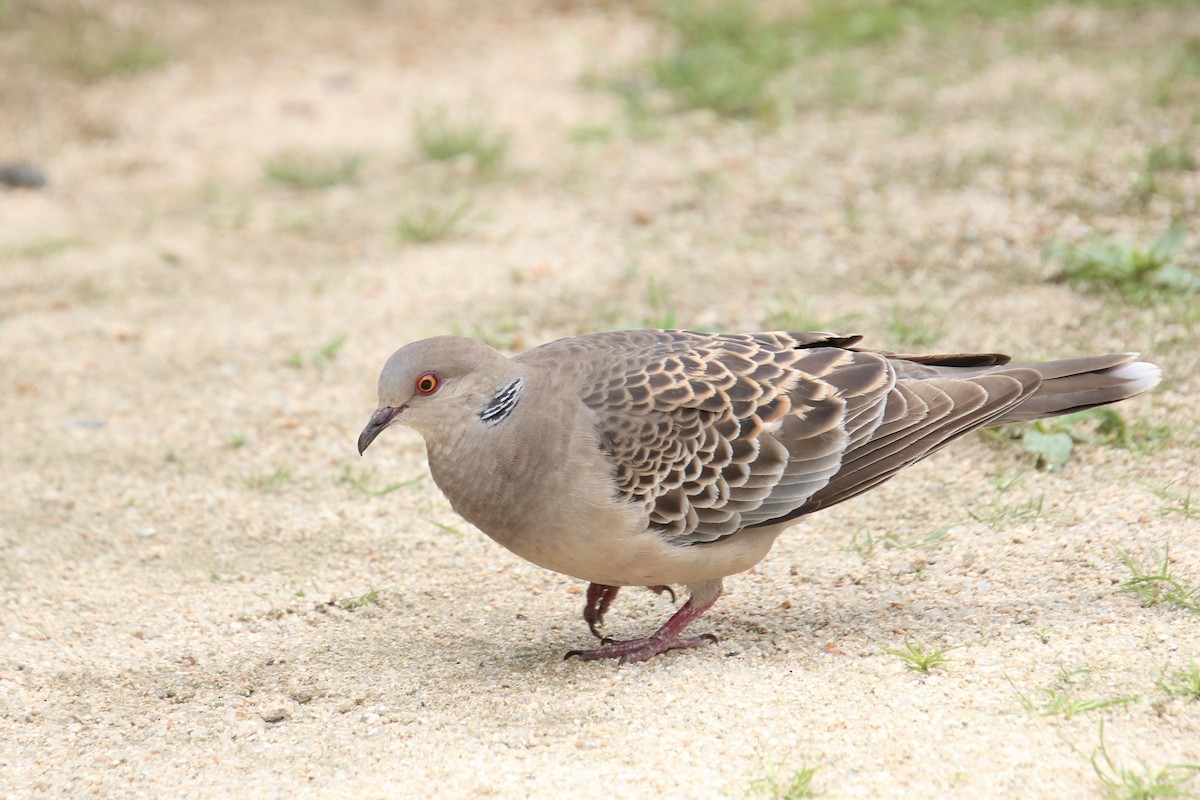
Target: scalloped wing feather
{"x":713,"y":433}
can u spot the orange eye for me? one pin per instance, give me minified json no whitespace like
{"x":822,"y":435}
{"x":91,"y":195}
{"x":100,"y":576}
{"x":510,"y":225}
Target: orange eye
{"x":428,"y":383}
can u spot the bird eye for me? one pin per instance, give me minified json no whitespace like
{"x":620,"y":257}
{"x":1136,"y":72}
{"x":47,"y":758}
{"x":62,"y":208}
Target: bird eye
{"x":428,"y":383}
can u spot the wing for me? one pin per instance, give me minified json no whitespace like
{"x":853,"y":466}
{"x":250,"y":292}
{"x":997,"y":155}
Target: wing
{"x":713,"y":433}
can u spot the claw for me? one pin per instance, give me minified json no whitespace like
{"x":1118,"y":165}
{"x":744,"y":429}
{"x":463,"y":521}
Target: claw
{"x":665,"y":638}
{"x":599,"y":598}
{"x":660,"y":589}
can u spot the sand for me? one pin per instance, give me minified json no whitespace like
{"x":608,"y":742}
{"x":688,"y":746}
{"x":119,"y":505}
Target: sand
{"x":205,"y":591}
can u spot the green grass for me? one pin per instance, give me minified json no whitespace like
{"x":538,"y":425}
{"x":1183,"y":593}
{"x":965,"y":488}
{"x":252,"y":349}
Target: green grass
{"x":1060,"y":703}
{"x":429,"y":223}
{"x":915,"y":327}
{"x":1176,"y":84}
{"x":1183,"y":683}
{"x":662,"y":313}
{"x":726,"y":57}
{"x":1057,"y":701}
{"x":1122,"y":782}
{"x":1143,"y":274}
{"x":322,"y":357}
{"x":501,"y":332}
{"x":791,"y":312}
{"x":849,"y":24}
{"x":919,"y":656}
{"x":89,"y":46}
{"x":776,"y":786}
{"x":1176,"y":157}
{"x":441,"y":137}
{"x":590,"y":132}
{"x":306,"y":170}
{"x":41,"y":248}
{"x":1001,"y":510}
{"x":369,"y":597}
{"x":1174,"y":502}
{"x":730,"y":56}
{"x":1154,"y":583}
{"x":363,"y":482}
{"x":450,"y":529}
{"x":865,"y":544}
{"x":1053,"y":441}
{"x":268,"y":482}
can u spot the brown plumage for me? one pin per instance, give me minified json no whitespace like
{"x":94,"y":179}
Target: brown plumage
{"x":659,"y":457}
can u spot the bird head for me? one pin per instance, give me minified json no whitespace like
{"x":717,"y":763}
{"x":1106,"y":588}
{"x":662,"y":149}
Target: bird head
{"x":435,"y":386}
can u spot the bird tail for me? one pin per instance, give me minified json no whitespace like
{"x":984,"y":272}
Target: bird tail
{"x":1075,"y":384}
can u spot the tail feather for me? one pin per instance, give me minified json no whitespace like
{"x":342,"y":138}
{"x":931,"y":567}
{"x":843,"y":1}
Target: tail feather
{"x":1076,"y":384}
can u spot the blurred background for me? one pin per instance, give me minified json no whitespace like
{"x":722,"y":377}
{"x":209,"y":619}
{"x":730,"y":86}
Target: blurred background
{"x":217,"y":220}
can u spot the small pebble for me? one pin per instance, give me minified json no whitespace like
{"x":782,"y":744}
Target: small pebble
{"x":276,"y":710}
{"x":17,"y":175}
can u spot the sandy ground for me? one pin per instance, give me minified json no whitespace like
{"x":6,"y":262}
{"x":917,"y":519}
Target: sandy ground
{"x":184,"y":522}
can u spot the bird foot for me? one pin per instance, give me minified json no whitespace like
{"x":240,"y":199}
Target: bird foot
{"x":635,"y":650}
{"x":600,"y":597}
{"x":668,"y":637}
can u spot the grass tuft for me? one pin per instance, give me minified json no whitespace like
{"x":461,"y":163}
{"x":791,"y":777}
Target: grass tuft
{"x":865,"y":544}
{"x":1183,"y":683}
{"x":1121,"y":782}
{"x":40,"y":248}
{"x":440,"y":137}
{"x":1057,"y":701}
{"x":796,"y":786}
{"x":915,"y":327}
{"x":305,"y":170}
{"x":89,"y":46}
{"x":450,"y":529}
{"x":322,"y":357}
{"x":920,"y":656}
{"x":1155,"y":584}
{"x":726,"y":57}
{"x":268,"y":482}
{"x":1053,"y":440}
{"x":999,"y":510}
{"x":662,"y":314}
{"x":1174,"y":502}
{"x":1162,"y":158}
{"x":363,"y":482}
{"x":430,"y":224}
{"x":369,"y":597}
{"x":1141,"y":274}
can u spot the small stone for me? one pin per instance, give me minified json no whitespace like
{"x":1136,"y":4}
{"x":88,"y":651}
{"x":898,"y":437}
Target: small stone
{"x":277,"y":709}
{"x":249,"y":727}
{"x":19,"y":175}
{"x":301,"y":694}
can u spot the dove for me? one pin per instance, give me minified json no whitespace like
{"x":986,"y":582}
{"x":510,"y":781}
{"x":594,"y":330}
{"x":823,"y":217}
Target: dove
{"x":666,"y":457}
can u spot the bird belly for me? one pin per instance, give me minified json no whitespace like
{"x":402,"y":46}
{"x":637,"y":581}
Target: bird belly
{"x":613,"y":546}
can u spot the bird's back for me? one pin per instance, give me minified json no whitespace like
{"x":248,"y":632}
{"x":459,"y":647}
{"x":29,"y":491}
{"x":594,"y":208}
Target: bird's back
{"x":716,"y":433}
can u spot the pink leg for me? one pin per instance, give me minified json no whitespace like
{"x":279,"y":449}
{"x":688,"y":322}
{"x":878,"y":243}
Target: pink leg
{"x":600,"y":597}
{"x":665,"y":638}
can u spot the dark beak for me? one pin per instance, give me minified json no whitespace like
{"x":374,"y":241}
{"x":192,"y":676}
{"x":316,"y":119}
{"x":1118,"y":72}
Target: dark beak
{"x":379,"y":420}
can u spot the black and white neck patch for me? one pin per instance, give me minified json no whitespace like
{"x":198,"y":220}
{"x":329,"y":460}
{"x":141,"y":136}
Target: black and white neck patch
{"x":502,"y":403}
